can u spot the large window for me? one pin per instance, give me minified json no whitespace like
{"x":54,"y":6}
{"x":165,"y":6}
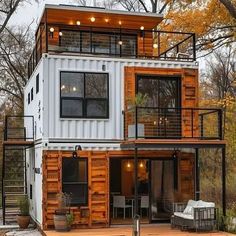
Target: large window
{"x":162,"y":92}
{"x":84,"y":95}
{"x":99,"y":42}
{"x":75,"y":179}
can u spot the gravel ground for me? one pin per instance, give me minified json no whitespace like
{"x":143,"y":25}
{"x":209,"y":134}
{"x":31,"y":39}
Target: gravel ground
{"x":29,"y":232}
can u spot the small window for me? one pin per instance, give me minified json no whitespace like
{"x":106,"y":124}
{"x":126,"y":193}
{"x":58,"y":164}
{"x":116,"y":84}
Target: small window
{"x":28,"y":98}
{"x":32,"y":94}
{"x":37,"y":83}
{"x":75,"y":179}
{"x":84,"y":95}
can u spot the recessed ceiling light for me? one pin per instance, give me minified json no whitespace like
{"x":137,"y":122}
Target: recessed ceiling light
{"x":120,"y":23}
{"x":106,"y":20}
{"x":52,"y":29}
{"x":78,"y":22}
{"x":142,"y":27}
{"x":92,"y":19}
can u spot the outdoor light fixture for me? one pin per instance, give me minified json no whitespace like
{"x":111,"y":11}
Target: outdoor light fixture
{"x":92,"y":19}
{"x":141,"y":164}
{"x":106,"y":20}
{"x":120,"y":42}
{"x":74,"y":89}
{"x":175,"y":154}
{"x":51,"y":30}
{"x":142,"y":28}
{"x":78,"y":22}
{"x":155,"y":45}
{"x":120,"y":23}
{"x":74,"y":153}
{"x":63,"y":87}
{"x":60,"y":34}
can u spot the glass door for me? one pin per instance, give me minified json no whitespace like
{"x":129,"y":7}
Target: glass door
{"x":162,"y":189}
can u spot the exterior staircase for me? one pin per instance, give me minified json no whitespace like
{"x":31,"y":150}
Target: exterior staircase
{"x":13,"y":182}
{"x":18,"y":136}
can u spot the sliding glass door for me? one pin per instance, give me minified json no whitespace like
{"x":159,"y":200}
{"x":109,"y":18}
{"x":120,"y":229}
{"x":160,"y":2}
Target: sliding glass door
{"x":162,"y":189}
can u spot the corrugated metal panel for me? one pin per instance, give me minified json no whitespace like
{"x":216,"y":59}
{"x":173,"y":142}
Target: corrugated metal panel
{"x":112,"y":128}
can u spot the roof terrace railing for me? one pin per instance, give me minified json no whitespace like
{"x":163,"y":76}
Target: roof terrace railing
{"x":113,"y":42}
{"x":173,"y":123}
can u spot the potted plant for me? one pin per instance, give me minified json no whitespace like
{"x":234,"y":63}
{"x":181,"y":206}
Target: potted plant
{"x":63,"y":218}
{"x":23,"y":218}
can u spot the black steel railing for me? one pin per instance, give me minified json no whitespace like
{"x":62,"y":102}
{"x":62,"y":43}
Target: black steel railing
{"x":113,"y":42}
{"x":173,"y":123}
{"x":19,"y":128}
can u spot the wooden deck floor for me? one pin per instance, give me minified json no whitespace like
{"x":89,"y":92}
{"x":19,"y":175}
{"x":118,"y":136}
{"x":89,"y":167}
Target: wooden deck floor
{"x":146,"y":230}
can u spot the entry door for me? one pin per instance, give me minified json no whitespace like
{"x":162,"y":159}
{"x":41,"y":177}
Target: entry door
{"x":162,"y":189}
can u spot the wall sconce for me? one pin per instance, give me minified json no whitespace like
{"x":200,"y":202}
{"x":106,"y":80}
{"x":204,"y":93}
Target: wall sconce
{"x":175,"y":155}
{"x":74,"y":153}
{"x":51,"y":32}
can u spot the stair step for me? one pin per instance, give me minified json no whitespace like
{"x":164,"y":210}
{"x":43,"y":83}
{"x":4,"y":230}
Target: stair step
{"x":19,"y":186}
{"x":15,"y":194}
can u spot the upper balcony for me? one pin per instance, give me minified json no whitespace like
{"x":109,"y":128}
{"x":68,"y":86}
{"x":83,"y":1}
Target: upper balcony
{"x":92,"y":31}
{"x":173,"y":123}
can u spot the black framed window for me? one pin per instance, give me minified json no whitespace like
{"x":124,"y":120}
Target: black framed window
{"x":75,"y":179}
{"x":37,"y":83}
{"x":28,"y":98}
{"x":84,"y":95}
{"x":32,"y":94}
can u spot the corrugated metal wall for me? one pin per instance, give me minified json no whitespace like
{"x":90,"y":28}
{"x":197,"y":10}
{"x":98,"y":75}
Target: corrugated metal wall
{"x":112,"y":128}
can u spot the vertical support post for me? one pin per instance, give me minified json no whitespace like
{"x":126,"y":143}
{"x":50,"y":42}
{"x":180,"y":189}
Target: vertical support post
{"x":224,"y":181}
{"x":194,"y":46}
{"x":197,"y":175}
{"x":192,"y":122}
{"x":124,"y":125}
{"x":220,"y":124}
{"x":136,"y":180}
{"x":5,"y":129}
{"x":159,"y":43}
{"x":136,"y":122}
{"x":202,"y":124}
{"x":46,"y":26}
{"x":3,"y":191}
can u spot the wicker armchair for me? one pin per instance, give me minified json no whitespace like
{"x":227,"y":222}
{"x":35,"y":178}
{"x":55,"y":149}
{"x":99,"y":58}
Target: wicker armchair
{"x":196,"y":215}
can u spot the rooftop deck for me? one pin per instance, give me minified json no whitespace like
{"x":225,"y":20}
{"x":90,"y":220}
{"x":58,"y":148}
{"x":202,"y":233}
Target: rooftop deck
{"x":91,"y":31}
{"x":146,"y":230}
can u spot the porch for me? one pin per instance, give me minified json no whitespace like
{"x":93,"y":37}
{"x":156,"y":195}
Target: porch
{"x":146,"y":230}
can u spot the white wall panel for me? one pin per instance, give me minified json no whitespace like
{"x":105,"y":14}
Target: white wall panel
{"x":112,"y":128}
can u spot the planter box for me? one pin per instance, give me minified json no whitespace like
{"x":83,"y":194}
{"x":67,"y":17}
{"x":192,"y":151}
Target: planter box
{"x":131,"y":131}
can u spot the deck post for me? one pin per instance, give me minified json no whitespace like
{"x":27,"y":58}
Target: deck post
{"x":197,"y":176}
{"x":136,"y":180}
{"x":223,"y":181}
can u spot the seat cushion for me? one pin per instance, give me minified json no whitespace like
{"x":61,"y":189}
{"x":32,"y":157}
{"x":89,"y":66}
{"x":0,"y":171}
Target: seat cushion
{"x":184,"y":216}
{"x":189,"y":208}
{"x":201,"y":203}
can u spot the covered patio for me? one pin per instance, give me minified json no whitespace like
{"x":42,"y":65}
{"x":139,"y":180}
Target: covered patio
{"x":146,"y":230}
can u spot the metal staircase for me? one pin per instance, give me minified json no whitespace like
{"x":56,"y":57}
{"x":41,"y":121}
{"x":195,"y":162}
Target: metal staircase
{"x":18,"y":136}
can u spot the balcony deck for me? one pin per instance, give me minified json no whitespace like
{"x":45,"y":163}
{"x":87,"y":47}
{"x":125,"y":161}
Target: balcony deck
{"x":146,"y":230}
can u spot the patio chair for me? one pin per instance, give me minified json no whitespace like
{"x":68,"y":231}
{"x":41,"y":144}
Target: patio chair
{"x":144,"y":204}
{"x":197,"y":215}
{"x":119,"y":202}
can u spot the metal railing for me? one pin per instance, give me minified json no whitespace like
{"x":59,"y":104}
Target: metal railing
{"x":173,"y":123}
{"x":19,"y":128}
{"x":113,"y":42}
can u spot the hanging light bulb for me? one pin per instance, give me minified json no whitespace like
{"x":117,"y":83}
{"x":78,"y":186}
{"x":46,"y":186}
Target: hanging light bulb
{"x":92,"y":19}
{"x":155,"y":45}
{"x":74,"y":89}
{"x":78,"y":22}
{"x":120,"y":42}
{"x":60,"y":34}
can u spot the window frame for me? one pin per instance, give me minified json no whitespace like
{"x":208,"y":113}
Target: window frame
{"x":28,"y":98}
{"x":37,"y":83}
{"x":78,"y":183}
{"x":84,"y":99}
{"x":32,"y":94}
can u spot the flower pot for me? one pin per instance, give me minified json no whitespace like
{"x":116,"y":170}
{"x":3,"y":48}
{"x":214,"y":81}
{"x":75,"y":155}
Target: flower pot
{"x":23,"y":221}
{"x":60,"y":223}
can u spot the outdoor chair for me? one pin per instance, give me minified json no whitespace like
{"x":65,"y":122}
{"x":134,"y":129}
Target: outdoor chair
{"x":119,"y":202}
{"x":144,"y":204}
{"x":196,"y":215}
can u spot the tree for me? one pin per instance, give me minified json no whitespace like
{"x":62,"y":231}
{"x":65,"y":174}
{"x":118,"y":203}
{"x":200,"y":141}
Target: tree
{"x":15,"y":47}
{"x":230,"y":6}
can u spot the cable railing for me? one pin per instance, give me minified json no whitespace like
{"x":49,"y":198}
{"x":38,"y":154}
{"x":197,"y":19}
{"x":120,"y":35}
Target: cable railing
{"x":112,"y":42}
{"x":172,"y":123}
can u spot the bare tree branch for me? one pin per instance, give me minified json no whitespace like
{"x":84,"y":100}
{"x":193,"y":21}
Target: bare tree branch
{"x":230,"y":6}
